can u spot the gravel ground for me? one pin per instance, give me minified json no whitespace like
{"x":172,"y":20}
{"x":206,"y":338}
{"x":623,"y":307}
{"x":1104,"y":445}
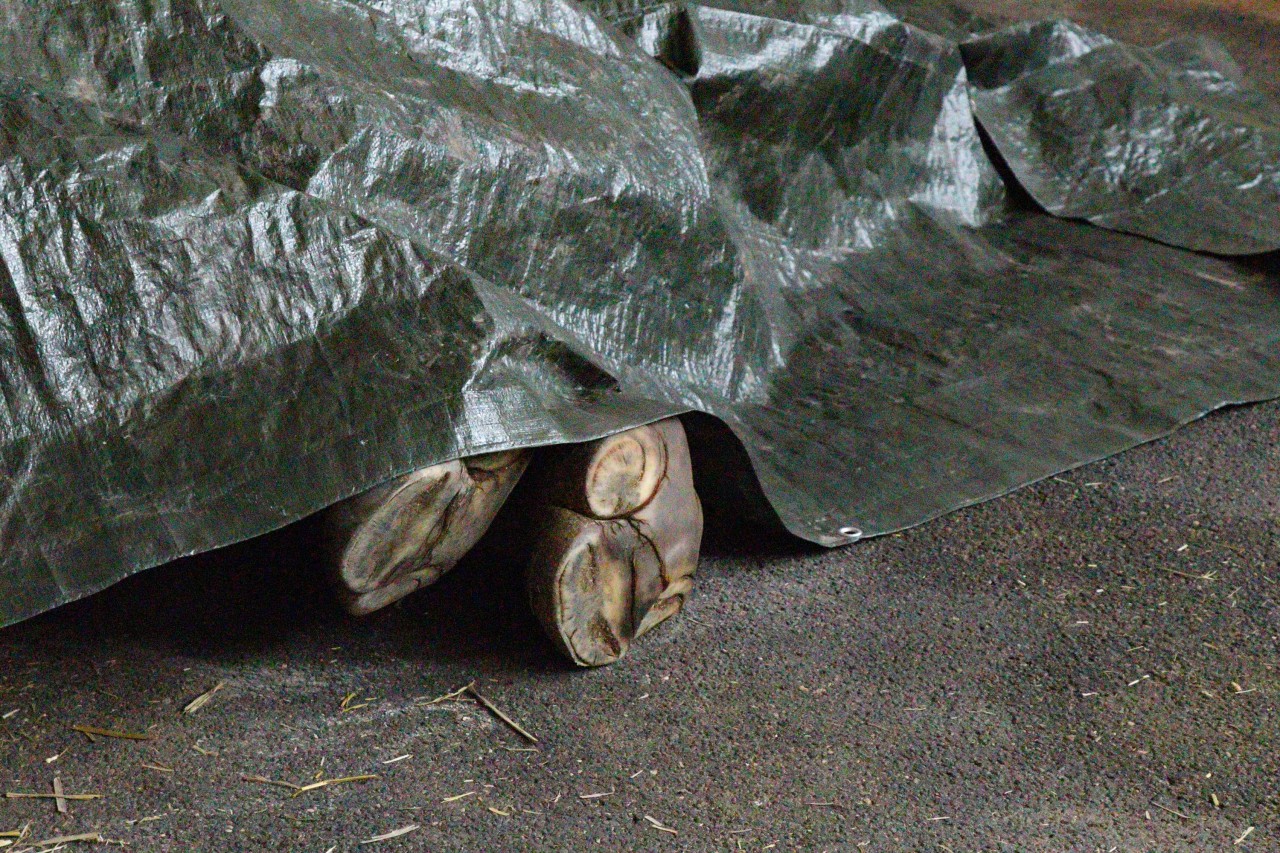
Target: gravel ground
{"x":1088,"y":664}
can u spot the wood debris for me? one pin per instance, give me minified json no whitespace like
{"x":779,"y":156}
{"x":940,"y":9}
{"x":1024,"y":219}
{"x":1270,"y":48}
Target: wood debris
{"x":59,"y":800}
{"x":148,"y":819}
{"x":659,"y":825}
{"x":457,"y":797}
{"x":395,"y":833}
{"x":18,"y":795}
{"x":1171,"y":811}
{"x":468,"y":691}
{"x":346,"y":705}
{"x":83,"y":837}
{"x":342,"y":780}
{"x":203,"y":699}
{"x":449,"y":697}
{"x":493,"y":709}
{"x":91,"y":731}
{"x":298,"y":790}
{"x":263,"y":780}
{"x":1207,"y":576}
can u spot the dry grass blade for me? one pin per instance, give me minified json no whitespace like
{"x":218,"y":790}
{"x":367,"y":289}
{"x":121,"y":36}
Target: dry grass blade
{"x":449,"y":697}
{"x":492,"y":709}
{"x":22,"y":836}
{"x":395,"y":833}
{"x":659,"y":825}
{"x":84,"y":837}
{"x":203,"y":699}
{"x":1207,"y":576}
{"x":347,"y":706}
{"x":17,"y":795}
{"x":324,"y":783}
{"x":1171,"y":811}
{"x":149,"y":819}
{"x":263,"y":780}
{"x":91,"y":731}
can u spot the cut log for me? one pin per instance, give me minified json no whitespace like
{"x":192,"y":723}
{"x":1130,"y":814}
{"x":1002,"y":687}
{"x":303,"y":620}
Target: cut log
{"x":405,"y":534}
{"x":610,"y":478}
{"x":616,"y":541}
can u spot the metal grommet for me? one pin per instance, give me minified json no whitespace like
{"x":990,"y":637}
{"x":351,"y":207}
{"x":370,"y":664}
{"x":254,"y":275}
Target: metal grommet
{"x":852,"y":533}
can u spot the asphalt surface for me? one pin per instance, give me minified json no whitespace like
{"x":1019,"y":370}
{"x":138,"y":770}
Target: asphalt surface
{"x":1088,"y":664}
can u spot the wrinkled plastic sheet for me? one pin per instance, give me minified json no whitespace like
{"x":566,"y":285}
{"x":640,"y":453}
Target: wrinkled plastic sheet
{"x":256,"y":257}
{"x":1167,"y":143}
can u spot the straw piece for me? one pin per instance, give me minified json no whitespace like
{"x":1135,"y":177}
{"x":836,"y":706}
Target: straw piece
{"x":90,"y":731}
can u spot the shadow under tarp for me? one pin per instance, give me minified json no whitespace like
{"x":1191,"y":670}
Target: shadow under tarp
{"x":258,"y":257}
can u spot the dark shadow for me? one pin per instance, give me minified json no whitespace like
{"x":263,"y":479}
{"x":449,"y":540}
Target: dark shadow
{"x":1019,"y":199}
{"x":255,"y":599}
{"x":233,"y":601}
{"x":739,"y":518}
{"x":479,"y":612}
{"x":1267,"y":265}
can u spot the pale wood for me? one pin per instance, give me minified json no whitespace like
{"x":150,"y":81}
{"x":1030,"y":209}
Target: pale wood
{"x":599,"y":581}
{"x":405,"y":534}
{"x":609,"y":478}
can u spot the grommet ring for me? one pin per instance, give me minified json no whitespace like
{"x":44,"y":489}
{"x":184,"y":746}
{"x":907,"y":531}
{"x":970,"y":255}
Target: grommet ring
{"x":851,"y":533}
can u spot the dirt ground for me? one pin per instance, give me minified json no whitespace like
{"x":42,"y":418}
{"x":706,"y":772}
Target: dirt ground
{"x":1090,"y":664}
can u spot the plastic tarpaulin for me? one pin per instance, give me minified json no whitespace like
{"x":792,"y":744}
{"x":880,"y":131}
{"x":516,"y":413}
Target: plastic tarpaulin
{"x":256,"y":257}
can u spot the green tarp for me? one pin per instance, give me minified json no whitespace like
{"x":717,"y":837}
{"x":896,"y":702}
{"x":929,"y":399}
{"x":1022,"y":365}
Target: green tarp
{"x":257,"y":256}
